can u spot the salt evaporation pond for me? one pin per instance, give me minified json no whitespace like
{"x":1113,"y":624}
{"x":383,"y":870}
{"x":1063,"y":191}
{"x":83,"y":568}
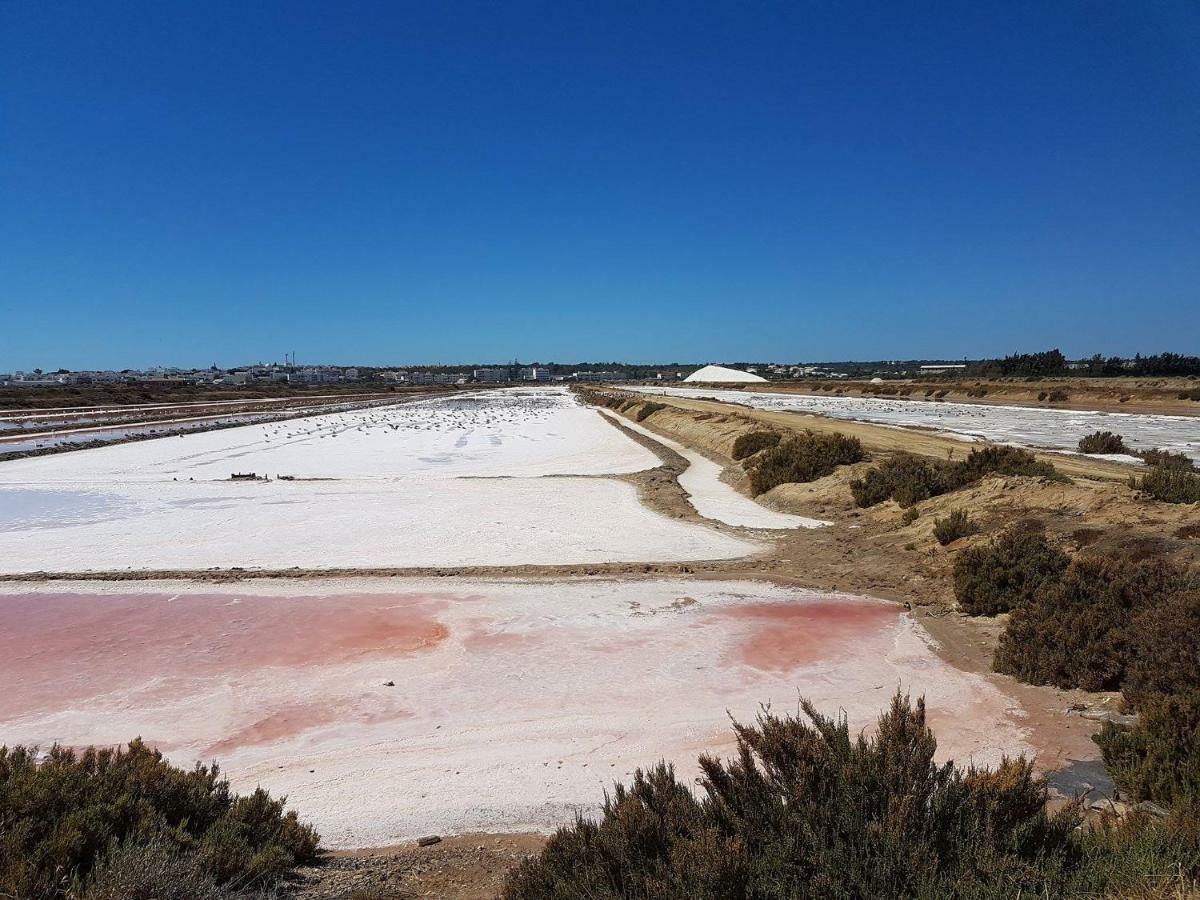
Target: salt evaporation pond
{"x":1058,"y":429}
{"x":499,"y":478}
{"x":386,"y":709}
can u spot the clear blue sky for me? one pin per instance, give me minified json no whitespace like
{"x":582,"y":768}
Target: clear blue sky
{"x":188,"y":183}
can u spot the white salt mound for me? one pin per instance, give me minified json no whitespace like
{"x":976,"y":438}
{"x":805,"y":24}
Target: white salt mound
{"x":720,"y":374}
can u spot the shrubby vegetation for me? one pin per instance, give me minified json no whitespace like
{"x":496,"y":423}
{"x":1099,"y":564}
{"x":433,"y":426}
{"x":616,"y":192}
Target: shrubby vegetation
{"x":802,"y":458}
{"x":1167,"y":458}
{"x":1159,"y":758}
{"x":70,"y":823}
{"x":1078,"y":630}
{"x":954,"y":526}
{"x":1170,"y":482}
{"x":1000,"y":576}
{"x":909,"y":479}
{"x":1102,"y":442}
{"x":752,"y":441}
{"x":805,"y":809}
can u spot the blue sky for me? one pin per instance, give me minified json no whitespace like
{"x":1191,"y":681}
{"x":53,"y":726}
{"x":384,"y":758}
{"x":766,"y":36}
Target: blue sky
{"x":189,"y":183}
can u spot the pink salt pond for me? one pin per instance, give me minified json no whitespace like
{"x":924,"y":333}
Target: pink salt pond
{"x":512,"y":704}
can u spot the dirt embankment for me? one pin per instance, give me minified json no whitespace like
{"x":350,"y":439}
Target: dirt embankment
{"x":1164,"y":396}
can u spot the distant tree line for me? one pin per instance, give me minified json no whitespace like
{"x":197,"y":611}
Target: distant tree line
{"x":1052,"y":362}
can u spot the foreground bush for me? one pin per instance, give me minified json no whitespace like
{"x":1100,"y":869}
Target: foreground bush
{"x":1007,"y":572}
{"x":956,"y":525}
{"x":909,"y":479}
{"x":806,"y":810}
{"x":1170,"y":483}
{"x":1102,"y":442}
{"x":153,"y":871}
{"x":1077,"y":630}
{"x":805,"y":457}
{"x":752,"y":441}
{"x":1159,"y":758}
{"x":61,"y":815}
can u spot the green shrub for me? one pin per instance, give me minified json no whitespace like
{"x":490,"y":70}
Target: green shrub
{"x":1058,"y":396}
{"x":805,"y":457}
{"x":647,"y":410}
{"x":152,"y":871}
{"x":999,"y":459}
{"x":1167,"y":458}
{"x":752,"y":441}
{"x":805,"y":809}
{"x":1169,"y":483}
{"x":1076,"y":630}
{"x":1042,"y":395}
{"x":1165,"y":642}
{"x":1102,"y":442}
{"x":1159,"y":758}
{"x":954,"y":526}
{"x":1007,"y":572}
{"x":909,"y":479}
{"x":910,"y":515}
{"x":906,"y":478}
{"x":59,"y":816}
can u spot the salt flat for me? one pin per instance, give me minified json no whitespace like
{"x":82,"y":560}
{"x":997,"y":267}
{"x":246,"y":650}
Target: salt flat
{"x":488,"y":479}
{"x":512,"y":704}
{"x":1058,"y":429}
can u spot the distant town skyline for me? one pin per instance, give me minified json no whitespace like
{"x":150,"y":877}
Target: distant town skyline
{"x":371,"y":182}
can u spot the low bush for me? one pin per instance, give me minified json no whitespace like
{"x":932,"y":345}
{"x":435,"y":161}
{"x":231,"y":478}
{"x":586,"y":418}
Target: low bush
{"x":647,"y":410}
{"x":1076,"y":631}
{"x":805,"y":809}
{"x":752,"y":441}
{"x":1193,"y":394}
{"x":909,"y":479}
{"x":1057,"y":396}
{"x":152,"y":871}
{"x":910,"y":515}
{"x":1158,"y":759}
{"x":1167,"y":458}
{"x":1102,"y":442}
{"x":60,"y":815}
{"x":802,"y":458}
{"x":954,"y":526}
{"x":1000,"y":459}
{"x":1169,"y":483}
{"x":1165,"y":642}
{"x":1001,"y":575}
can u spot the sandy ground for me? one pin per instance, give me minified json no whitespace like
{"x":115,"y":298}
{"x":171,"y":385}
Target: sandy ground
{"x":512,"y":704}
{"x":1058,"y":429}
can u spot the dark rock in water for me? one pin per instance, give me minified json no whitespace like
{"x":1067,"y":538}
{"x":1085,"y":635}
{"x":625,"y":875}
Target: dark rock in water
{"x":389,"y":684}
{"x":429,"y":840}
